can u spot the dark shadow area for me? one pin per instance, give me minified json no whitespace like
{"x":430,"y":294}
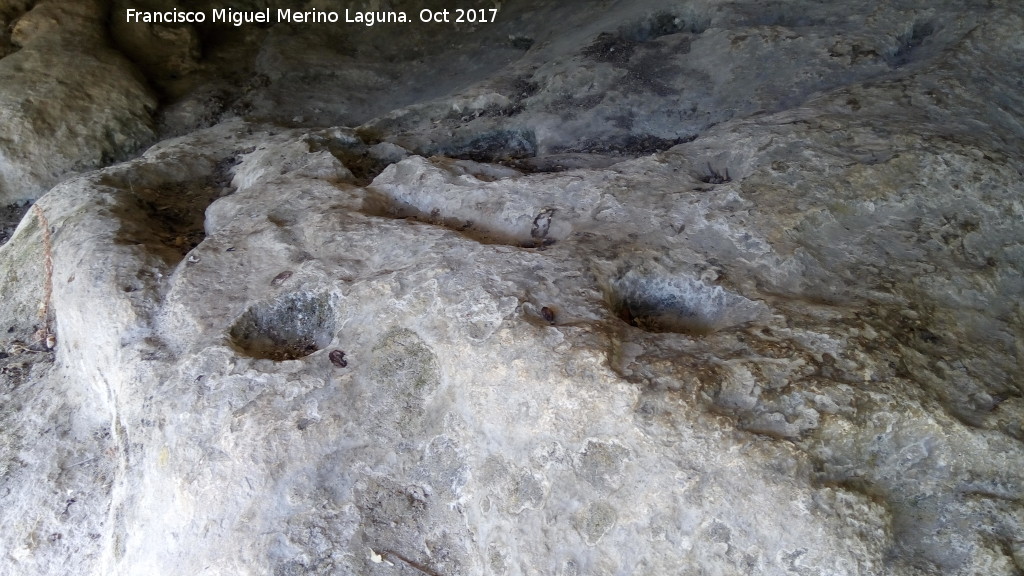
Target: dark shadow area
{"x":10,"y":217}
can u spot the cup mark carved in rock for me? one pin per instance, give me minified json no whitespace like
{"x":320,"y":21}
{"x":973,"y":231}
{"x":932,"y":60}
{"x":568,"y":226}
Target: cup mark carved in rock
{"x":529,"y":230}
{"x":167,"y":219}
{"x":493,"y":146}
{"x":663,"y":303}
{"x":289,"y":327}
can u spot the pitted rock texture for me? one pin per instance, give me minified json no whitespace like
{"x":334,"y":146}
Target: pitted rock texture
{"x":768,"y":322}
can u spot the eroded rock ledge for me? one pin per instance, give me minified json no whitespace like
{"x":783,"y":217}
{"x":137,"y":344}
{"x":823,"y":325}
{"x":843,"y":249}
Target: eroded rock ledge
{"x":709,"y":288}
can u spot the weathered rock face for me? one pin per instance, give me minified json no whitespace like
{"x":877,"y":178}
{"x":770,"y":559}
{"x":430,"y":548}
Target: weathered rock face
{"x":68,"y":102}
{"x":716,"y":289}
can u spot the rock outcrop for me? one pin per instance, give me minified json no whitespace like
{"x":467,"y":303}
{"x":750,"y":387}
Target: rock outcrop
{"x":668,"y":289}
{"x":68,"y":102}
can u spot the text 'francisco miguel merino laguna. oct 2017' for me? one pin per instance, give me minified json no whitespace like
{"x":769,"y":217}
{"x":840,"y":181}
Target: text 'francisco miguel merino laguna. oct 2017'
{"x":281,"y":15}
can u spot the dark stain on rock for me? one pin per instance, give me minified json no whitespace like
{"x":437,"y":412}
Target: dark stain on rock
{"x":338,"y":358}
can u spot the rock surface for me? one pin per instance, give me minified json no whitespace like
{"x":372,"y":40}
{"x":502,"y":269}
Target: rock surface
{"x":68,"y":102}
{"x":667,"y":289}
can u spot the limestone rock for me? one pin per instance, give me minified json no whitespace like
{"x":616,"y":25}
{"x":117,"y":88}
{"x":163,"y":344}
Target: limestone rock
{"x":68,"y":103}
{"x":165,"y":52}
{"x":782,"y":337}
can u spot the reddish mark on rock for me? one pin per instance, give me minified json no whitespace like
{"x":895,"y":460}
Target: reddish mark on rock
{"x":338,"y":358}
{"x":548,"y":314}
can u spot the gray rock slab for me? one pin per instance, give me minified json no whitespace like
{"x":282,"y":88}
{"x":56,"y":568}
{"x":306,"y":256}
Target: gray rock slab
{"x":789,"y":343}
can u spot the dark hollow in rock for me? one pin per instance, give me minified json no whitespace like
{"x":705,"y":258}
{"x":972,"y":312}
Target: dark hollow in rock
{"x":910,"y":42}
{"x":627,"y":146}
{"x":665,"y":304}
{"x":10,"y":217}
{"x":563,"y":162}
{"x":352,"y":152}
{"x":289,"y":327}
{"x":492,"y":146}
{"x":483,"y":229}
{"x":521,"y":42}
{"x":167,"y":218}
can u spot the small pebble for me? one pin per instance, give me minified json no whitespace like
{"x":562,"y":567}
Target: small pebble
{"x":338,"y":358}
